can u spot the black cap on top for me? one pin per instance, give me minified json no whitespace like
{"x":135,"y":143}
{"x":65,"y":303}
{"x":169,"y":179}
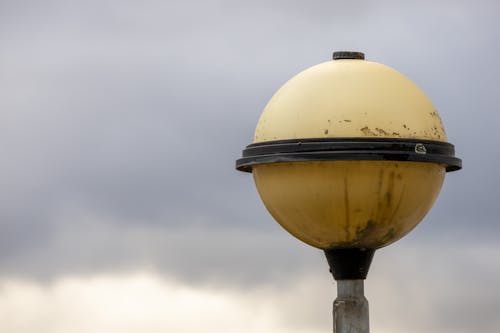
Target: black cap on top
{"x":348,"y":55}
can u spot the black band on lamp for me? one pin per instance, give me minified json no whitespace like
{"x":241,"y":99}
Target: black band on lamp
{"x":345,"y":149}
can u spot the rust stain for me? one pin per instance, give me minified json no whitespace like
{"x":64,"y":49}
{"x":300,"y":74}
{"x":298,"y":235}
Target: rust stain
{"x":346,"y":207}
{"x":385,"y":199}
{"x":367,"y":131}
{"x":380,"y":180}
{"x":367,"y":232}
{"x":390,"y":189}
{"x":389,"y":236}
{"x":381,"y":131}
{"x":398,"y":204}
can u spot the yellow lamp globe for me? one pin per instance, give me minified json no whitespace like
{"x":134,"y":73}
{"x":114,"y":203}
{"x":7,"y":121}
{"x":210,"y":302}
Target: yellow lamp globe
{"x":349,"y":154}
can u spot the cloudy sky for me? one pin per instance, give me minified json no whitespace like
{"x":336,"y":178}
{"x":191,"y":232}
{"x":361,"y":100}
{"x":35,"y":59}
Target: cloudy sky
{"x":120,"y":207}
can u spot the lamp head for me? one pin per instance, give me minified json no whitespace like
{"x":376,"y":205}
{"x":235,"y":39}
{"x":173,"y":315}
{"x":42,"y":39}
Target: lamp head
{"x":349,"y":154}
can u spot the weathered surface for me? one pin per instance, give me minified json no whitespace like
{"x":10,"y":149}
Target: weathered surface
{"x":349,"y":98}
{"x":349,"y":204}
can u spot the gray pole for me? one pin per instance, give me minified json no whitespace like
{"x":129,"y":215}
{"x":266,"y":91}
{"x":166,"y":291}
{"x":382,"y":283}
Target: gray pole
{"x":350,"y":309}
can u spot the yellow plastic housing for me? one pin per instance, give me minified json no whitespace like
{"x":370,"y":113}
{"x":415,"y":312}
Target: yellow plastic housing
{"x":341,"y":204}
{"x":349,"y":98}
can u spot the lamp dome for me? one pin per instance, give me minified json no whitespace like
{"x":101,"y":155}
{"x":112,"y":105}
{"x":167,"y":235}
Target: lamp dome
{"x":349,"y":98}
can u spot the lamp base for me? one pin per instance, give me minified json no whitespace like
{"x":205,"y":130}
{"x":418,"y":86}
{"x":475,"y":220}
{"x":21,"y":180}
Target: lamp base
{"x":349,"y":264}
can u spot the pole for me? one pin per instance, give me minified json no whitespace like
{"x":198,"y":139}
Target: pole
{"x":350,"y":308}
{"x":349,"y":267}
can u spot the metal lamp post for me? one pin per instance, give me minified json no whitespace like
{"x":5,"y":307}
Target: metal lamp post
{"x":349,"y":156}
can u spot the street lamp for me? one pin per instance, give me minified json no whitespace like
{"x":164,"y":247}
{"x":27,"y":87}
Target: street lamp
{"x":349,"y":156}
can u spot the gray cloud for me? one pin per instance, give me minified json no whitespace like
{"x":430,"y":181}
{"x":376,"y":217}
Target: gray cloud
{"x":436,"y":286}
{"x":120,"y":124}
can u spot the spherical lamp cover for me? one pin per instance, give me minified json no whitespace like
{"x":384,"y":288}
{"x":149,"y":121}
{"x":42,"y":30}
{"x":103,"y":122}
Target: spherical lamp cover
{"x":353,"y":202}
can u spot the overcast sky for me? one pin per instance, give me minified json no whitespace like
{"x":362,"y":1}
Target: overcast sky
{"x":120,"y":122}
